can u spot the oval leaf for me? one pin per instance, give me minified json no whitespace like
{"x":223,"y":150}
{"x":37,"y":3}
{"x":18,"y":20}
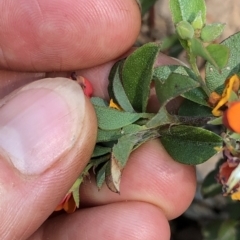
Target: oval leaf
{"x":190,"y":108}
{"x":100,"y":176}
{"x":190,"y":145}
{"x":215,"y":54}
{"x":162,"y":73}
{"x":116,"y":90}
{"x":185,"y":10}
{"x":99,"y":102}
{"x":196,"y":95}
{"x":122,"y":150}
{"x":99,"y":151}
{"x":219,"y":53}
{"x":197,"y":23}
{"x":137,"y":75}
{"x":110,"y":119}
{"x":212,"y":31}
{"x":113,"y":135}
{"x":174,"y":86}
{"x":215,"y":79}
{"x":160,"y":119}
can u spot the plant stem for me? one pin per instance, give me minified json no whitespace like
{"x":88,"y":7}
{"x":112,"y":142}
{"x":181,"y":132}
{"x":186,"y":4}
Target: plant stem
{"x":193,"y":63}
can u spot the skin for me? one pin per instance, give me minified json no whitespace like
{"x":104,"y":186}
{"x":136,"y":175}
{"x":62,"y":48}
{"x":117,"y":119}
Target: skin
{"x":35,"y":40}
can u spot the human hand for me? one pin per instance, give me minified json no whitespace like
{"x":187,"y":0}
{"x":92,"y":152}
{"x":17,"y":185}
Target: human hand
{"x":48,"y":130}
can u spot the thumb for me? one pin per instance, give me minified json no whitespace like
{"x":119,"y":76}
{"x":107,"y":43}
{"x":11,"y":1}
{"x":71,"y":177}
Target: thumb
{"x":47,"y":134}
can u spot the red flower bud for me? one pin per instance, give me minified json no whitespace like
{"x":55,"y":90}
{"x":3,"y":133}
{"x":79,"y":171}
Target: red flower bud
{"x":86,"y":86}
{"x":84,"y":83}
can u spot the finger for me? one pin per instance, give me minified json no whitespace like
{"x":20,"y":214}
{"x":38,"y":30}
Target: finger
{"x":59,"y":35}
{"x":47,"y":134}
{"x":129,"y":220}
{"x":11,"y":80}
{"x":152,"y":176}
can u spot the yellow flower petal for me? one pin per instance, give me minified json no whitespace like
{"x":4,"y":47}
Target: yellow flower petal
{"x":112,"y":104}
{"x":233,"y":81}
{"x":235,"y":196}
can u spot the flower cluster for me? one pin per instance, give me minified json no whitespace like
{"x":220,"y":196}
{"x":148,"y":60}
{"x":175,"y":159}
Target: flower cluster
{"x":227,"y":107}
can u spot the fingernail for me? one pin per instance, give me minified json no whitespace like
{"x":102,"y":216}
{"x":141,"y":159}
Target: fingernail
{"x":40,"y":122}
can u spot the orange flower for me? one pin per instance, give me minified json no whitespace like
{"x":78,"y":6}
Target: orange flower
{"x":214,"y":98}
{"x":68,"y":204}
{"x":231,"y":117}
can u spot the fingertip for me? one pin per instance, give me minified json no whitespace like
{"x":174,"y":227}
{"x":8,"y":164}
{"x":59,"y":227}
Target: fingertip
{"x":127,"y":220}
{"x":66,"y":35}
{"x":48,"y":132}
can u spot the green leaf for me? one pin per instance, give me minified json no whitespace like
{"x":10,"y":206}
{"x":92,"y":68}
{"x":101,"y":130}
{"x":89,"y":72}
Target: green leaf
{"x":99,"y":102}
{"x":122,"y":150}
{"x":174,"y":86}
{"x":100,"y":175}
{"x":137,"y":75}
{"x":210,"y":187}
{"x":211,"y":32}
{"x":216,"y":121}
{"x":166,"y":90}
{"x":75,"y":191}
{"x":113,"y":135}
{"x":210,"y":230}
{"x":197,"y":23}
{"x":215,"y":79}
{"x":160,"y":119}
{"x":108,"y":135}
{"x":113,"y":73}
{"x":219,"y":53}
{"x":132,"y":128}
{"x":189,"y":108}
{"x":185,"y":10}
{"x":162,"y":73}
{"x":228,"y":230}
{"x":127,"y":143}
{"x":95,"y":162}
{"x":171,"y":43}
{"x":116,"y":90}
{"x":231,"y":208}
{"x":190,"y":145}
{"x":99,"y":151}
{"x":216,"y":54}
{"x":146,"y":5}
{"x":196,"y":95}
{"x":110,"y":119}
